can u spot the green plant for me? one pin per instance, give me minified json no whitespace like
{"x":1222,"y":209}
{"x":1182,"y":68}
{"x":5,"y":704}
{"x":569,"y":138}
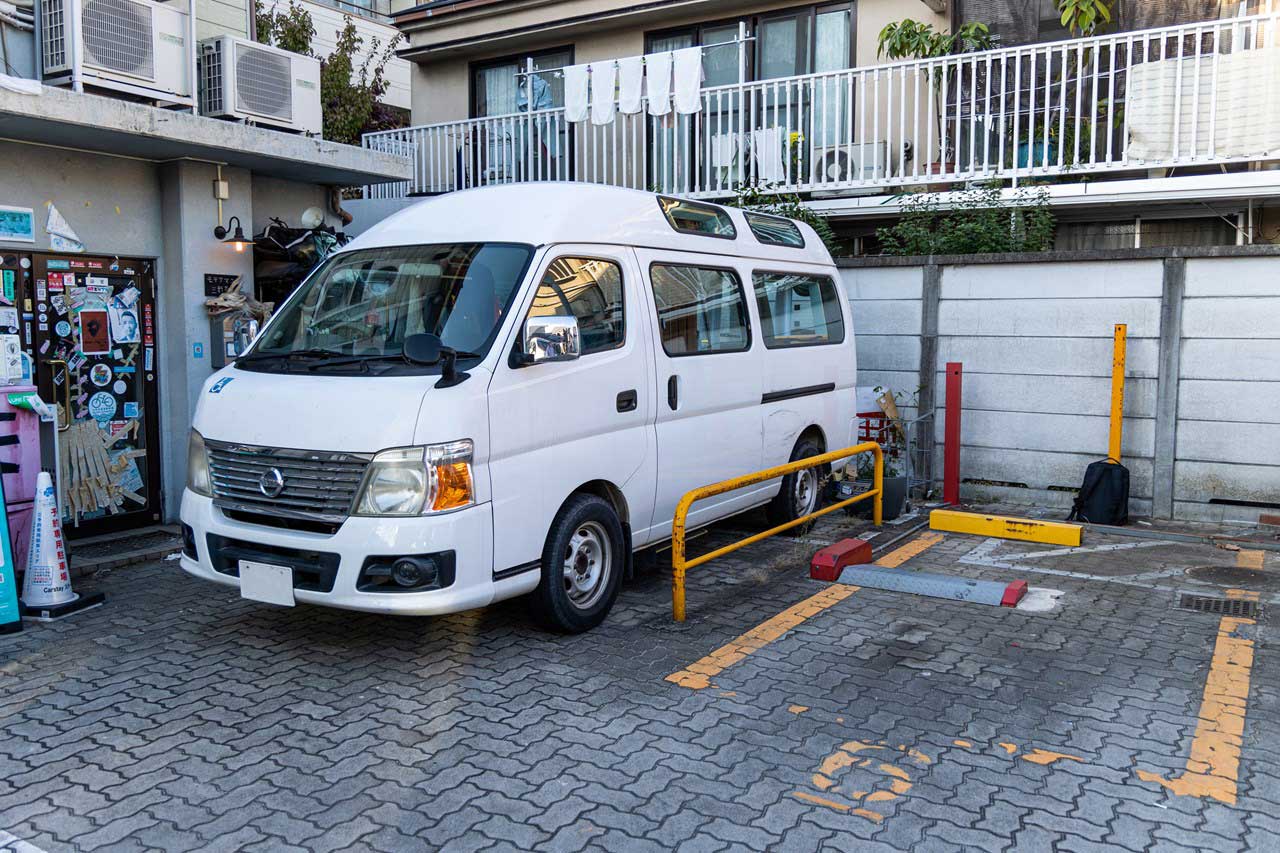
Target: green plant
{"x":290,"y":30}
{"x":908,"y":39}
{"x":1084,"y":17}
{"x":762,"y":199}
{"x":978,"y":221}
{"x":350,"y":93}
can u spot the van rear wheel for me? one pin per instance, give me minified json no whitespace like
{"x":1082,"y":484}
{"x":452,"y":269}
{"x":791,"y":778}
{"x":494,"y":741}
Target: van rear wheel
{"x":801,"y":491}
{"x":581,"y":566}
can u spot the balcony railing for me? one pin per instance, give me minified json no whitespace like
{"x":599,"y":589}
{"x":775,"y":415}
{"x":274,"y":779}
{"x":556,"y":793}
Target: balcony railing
{"x":1195,"y":94}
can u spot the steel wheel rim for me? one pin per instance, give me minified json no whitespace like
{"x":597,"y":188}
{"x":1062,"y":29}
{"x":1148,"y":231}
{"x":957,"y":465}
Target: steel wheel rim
{"x":588,"y":560}
{"x":804,"y":491}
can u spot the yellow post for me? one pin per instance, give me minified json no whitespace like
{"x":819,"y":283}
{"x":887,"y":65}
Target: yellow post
{"x":1117,"y":391}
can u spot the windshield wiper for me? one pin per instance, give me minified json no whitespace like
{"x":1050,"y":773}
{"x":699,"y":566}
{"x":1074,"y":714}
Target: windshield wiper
{"x":357,"y":359}
{"x":292,"y":354}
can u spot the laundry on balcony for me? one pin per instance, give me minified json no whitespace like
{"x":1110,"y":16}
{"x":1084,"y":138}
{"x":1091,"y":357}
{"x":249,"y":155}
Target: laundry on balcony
{"x":577,"y":103}
{"x":631,"y":85}
{"x":604,"y":84}
{"x":687,"y":70}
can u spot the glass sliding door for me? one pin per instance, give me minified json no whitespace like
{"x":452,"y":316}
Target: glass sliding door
{"x":501,"y":150}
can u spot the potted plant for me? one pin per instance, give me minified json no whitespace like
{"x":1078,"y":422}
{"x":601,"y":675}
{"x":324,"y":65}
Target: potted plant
{"x":896,"y":479}
{"x":908,"y":39}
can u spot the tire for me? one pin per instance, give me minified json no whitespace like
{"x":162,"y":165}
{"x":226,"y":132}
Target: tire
{"x":582,"y":566}
{"x":801,"y":491}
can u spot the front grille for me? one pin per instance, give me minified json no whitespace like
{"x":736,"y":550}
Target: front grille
{"x":319,"y":485}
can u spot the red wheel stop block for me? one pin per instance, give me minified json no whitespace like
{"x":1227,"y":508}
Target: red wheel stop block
{"x":830,"y":561}
{"x":1013,"y":594}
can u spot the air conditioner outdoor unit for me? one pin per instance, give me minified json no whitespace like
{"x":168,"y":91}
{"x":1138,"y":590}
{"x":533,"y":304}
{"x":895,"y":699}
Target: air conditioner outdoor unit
{"x":254,"y":82}
{"x":856,"y":161}
{"x":134,"y":46}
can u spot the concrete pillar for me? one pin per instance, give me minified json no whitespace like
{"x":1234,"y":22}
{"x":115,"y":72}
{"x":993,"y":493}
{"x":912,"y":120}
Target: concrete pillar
{"x":1170,"y":357}
{"x":190,"y":212}
{"x":930,"y":296}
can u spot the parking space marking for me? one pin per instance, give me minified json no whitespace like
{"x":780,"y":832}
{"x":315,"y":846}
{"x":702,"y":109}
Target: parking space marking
{"x":1213,"y":768}
{"x":698,"y":675}
{"x":1246,"y":559}
{"x":916,"y":546}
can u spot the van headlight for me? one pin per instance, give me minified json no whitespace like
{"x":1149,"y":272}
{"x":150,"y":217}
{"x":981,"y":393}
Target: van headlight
{"x":418,"y":480}
{"x":198,"y":466}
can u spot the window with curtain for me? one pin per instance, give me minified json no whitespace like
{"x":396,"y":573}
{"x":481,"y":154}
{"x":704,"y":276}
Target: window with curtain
{"x":801,"y":40}
{"x":498,"y":89}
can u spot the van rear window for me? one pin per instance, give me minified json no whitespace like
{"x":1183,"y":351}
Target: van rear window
{"x":775,"y":231}
{"x":692,"y":217}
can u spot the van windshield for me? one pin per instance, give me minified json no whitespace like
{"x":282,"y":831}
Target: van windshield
{"x":354,"y":313}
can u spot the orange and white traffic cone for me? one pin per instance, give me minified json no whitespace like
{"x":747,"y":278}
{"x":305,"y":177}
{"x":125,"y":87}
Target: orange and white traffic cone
{"x":46,"y":588}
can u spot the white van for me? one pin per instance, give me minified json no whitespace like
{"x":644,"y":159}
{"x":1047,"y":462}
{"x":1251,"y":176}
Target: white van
{"x":506,"y":391}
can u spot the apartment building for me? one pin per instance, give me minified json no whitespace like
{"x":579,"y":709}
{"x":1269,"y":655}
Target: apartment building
{"x":1155,"y":130}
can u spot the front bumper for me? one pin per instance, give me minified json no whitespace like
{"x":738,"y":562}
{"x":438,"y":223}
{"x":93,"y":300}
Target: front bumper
{"x":468,"y":533}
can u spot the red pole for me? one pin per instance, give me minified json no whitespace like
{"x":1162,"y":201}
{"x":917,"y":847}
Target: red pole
{"x":951,"y":439}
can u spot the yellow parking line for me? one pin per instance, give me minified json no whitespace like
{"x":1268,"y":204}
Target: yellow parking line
{"x":1213,"y":767}
{"x":1247,"y":559}
{"x":916,"y":546}
{"x":698,"y":675}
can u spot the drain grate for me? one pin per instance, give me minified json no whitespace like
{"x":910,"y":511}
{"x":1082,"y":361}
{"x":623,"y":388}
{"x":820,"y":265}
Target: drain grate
{"x":1219,"y":606}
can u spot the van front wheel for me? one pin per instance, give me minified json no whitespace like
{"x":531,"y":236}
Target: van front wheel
{"x":801,"y":491}
{"x":581,"y":566}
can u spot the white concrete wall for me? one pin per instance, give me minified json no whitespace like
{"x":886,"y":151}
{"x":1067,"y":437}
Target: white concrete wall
{"x":1229,"y":388}
{"x":222,"y":17}
{"x":1035,"y":340}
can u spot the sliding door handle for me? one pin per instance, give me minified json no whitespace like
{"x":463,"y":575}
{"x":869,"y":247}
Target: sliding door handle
{"x":627,"y":401}
{"x":673,"y":392}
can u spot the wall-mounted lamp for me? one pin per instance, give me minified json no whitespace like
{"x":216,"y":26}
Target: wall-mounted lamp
{"x":237,"y":239}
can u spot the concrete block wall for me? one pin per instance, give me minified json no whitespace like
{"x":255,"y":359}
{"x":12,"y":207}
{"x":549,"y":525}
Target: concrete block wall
{"x":1034,"y":333}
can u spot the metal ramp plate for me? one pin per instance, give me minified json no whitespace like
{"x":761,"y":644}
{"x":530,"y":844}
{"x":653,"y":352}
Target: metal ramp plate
{"x":919,"y":583}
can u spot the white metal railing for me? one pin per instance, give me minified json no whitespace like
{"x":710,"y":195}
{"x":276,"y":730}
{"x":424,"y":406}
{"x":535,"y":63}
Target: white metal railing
{"x":1203,"y":93}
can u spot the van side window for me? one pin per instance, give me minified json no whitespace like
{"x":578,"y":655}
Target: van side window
{"x":798,"y":310}
{"x":700,"y":309}
{"x":774,"y":230}
{"x":695,"y":217}
{"x":589,"y":289}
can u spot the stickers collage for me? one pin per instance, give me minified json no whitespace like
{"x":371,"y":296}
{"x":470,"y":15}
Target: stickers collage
{"x":90,"y":316}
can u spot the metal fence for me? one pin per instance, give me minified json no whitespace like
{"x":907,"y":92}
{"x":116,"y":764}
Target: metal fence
{"x":1199,"y":93}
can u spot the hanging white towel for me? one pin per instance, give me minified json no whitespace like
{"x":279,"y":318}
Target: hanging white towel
{"x":576,"y":105}
{"x":630,"y":85}
{"x":724,"y":150}
{"x":688,"y":80}
{"x":604,"y":84}
{"x":766,"y":150}
{"x":658,"y":80}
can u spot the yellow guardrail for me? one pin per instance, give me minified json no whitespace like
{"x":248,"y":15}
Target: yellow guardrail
{"x":680,"y":564}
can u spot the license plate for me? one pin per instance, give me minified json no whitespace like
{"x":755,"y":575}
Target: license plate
{"x":267,"y":583}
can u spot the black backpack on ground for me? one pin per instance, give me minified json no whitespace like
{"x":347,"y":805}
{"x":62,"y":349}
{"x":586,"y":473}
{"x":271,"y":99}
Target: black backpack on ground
{"x":1104,"y":494}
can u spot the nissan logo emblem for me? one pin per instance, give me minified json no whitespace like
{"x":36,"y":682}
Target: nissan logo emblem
{"x":272,"y":483}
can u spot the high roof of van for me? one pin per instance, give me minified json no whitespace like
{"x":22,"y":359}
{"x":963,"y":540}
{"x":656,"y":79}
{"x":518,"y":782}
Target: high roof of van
{"x":562,"y":212}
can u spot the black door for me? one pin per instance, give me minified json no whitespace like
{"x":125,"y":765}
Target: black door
{"x":94,"y":346}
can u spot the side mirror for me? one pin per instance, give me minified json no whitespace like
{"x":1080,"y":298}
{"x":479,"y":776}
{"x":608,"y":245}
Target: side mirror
{"x":549,"y":339}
